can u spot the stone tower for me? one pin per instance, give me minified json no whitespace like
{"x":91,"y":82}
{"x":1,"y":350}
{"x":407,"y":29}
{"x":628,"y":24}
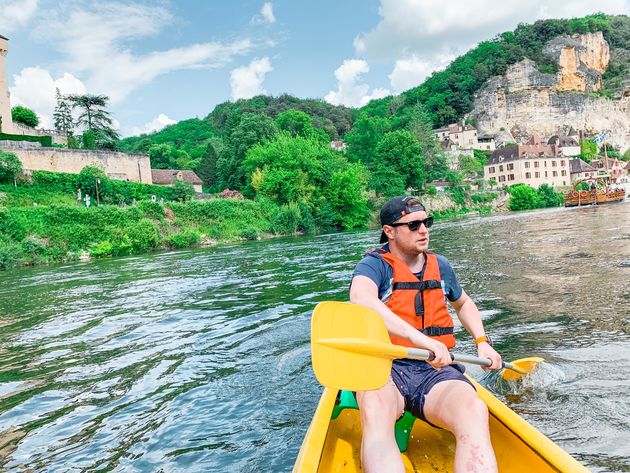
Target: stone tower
{"x":6,"y":125}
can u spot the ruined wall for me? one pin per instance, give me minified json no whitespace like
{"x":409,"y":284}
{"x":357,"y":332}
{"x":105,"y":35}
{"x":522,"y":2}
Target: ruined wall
{"x":123,"y":166}
{"x":525,"y":101}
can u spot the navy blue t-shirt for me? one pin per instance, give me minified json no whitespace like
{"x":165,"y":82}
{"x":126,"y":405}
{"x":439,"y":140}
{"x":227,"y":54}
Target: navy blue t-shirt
{"x":382,"y":274}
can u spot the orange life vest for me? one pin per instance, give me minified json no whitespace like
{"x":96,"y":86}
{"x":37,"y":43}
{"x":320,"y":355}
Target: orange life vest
{"x":419,"y":303}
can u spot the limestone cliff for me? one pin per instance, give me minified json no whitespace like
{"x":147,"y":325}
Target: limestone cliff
{"x":525,"y":101}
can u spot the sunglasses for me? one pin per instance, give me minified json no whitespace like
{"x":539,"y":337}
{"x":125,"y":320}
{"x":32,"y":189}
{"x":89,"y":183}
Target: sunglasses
{"x":415,"y":224}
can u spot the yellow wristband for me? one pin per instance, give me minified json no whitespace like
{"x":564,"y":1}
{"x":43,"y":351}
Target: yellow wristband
{"x":481,"y":340}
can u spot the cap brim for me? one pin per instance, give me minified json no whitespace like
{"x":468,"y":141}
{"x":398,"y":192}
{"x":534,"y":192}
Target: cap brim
{"x":383,"y":237}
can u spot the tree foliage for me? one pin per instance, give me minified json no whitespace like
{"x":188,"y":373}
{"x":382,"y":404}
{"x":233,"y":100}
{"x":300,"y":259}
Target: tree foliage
{"x":62,"y":116}
{"x":25,"y":116}
{"x":10,"y":167}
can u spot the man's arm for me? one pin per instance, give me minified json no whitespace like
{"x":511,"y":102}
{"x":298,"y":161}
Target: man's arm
{"x":470,"y":318}
{"x":364,"y":291}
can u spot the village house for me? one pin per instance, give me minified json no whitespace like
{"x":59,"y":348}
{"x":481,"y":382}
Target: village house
{"x":338,"y":146}
{"x":581,"y":170}
{"x":568,"y":144}
{"x":612,"y":166}
{"x":166,"y":177}
{"x":464,"y":137}
{"x":532,"y":163}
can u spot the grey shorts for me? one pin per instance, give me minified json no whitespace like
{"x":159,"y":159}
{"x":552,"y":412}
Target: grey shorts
{"x":414,"y":379}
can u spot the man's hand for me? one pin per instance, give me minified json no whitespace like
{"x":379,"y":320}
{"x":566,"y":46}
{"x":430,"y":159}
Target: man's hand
{"x":484,"y":350}
{"x":442,"y":355}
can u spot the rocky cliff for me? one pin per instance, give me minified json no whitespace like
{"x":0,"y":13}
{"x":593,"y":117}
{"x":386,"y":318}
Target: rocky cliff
{"x":525,"y":101}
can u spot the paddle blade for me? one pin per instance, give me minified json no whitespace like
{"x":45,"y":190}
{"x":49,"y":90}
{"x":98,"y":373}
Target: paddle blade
{"x":526,"y":365}
{"x":360,"y":360}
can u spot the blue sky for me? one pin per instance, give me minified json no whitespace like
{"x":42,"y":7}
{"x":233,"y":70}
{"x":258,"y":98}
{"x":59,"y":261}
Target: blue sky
{"x":165,"y":61}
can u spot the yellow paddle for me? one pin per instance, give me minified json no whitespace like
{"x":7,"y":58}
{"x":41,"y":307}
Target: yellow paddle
{"x":350,"y":349}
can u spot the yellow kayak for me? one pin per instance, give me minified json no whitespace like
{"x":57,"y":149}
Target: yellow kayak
{"x":333,"y":440}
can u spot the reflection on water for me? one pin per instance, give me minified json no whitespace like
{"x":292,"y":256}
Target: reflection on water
{"x":199,"y":360}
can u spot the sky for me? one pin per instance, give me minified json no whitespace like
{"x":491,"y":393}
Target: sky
{"x":164,"y":61}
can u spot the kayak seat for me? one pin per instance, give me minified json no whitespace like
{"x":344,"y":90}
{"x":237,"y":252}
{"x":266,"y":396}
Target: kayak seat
{"x":402,"y":430}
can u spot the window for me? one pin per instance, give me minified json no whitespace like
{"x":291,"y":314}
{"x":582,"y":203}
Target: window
{"x":510,"y":166}
{"x":491,"y":170}
{"x":564,"y":183}
{"x":528,"y":175}
{"x":501,"y":168}
{"x":501,"y":178}
{"x":545,"y":172}
{"x":536,"y":164}
{"x":526,"y":164}
{"x":564,"y":173}
{"x":537,"y":174}
{"x":555,"y":174}
{"x":553,"y":163}
{"x":545,"y":163}
{"x":511,"y":177}
{"x":562,"y":162}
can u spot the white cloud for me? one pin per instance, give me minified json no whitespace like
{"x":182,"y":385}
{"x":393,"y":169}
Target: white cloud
{"x":411,"y":71}
{"x":267,"y":13}
{"x":246,"y":81}
{"x":156,"y":124}
{"x":15,"y":14}
{"x":265,"y":16}
{"x":35,"y":88}
{"x":95,"y":43}
{"x":424,"y":35}
{"x":351,"y":92}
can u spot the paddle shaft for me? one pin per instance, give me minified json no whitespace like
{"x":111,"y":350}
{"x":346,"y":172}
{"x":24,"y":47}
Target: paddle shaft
{"x":426,"y":355}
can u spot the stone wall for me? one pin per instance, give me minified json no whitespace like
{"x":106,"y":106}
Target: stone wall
{"x":123,"y":166}
{"x":525,"y":102}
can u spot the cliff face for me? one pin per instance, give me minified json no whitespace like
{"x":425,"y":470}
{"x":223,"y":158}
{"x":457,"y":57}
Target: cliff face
{"x":525,"y":101}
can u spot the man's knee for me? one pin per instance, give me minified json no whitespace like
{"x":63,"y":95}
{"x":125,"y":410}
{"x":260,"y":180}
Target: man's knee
{"x":378,"y":409}
{"x":472,"y":414}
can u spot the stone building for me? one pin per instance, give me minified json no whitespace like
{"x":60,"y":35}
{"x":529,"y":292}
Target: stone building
{"x":568,"y":144}
{"x":581,"y":170}
{"x":166,"y":177}
{"x":464,"y":137}
{"x":532,"y":163}
{"x":611,"y":166}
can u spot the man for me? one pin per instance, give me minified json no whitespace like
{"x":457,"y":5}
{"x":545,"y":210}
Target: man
{"x":407,"y":286}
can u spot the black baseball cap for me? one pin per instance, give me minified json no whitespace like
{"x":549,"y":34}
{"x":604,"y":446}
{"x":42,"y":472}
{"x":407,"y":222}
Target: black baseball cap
{"x":396,"y":208}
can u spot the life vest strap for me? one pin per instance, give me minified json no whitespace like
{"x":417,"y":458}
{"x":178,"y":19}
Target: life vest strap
{"x":418,"y":286}
{"x":437,"y":331}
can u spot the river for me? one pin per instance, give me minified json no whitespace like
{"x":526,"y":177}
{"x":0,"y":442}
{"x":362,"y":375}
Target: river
{"x":199,"y":360}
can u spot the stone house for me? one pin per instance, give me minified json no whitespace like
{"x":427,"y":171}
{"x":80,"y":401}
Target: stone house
{"x":612,"y":166}
{"x":568,"y":144}
{"x":338,"y":146}
{"x":464,"y":137}
{"x":581,"y":170}
{"x":165,"y":177}
{"x":532,"y":163}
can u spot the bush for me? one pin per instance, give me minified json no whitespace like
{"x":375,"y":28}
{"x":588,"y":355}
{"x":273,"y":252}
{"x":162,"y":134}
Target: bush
{"x":25,"y":116}
{"x":184,"y":239}
{"x":10,"y":167}
{"x":104,"y":248}
{"x":143,"y":235}
{"x":182,"y":190}
{"x":286,"y":219}
{"x":523,"y":197}
{"x":10,"y":254}
{"x":549,"y":197}
{"x":93,"y":178}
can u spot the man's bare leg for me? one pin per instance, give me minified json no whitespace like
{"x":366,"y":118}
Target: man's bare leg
{"x":454,"y":405}
{"x":379,"y":410}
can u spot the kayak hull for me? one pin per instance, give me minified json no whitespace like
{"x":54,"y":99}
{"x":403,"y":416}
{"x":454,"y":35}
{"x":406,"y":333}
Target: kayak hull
{"x":334,"y":445}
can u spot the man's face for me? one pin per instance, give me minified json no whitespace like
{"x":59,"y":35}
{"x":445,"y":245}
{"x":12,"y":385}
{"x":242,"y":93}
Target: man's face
{"x":408,"y":241}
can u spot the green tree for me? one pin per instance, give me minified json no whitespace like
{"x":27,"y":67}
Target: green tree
{"x":295,"y":122}
{"x":10,"y":167}
{"x":588,"y":150}
{"x":25,"y":116}
{"x":62,"y":116}
{"x":182,"y":190}
{"x":549,"y":197}
{"x":93,"y":181}
{"x":523,"y":197}
{"x":364,"y":137}
{"x":347,"y":197}
{"x":168,"y":157}
{"x":207,"y":169}
{"x":400,"y":151}
{"x":94,"y":117}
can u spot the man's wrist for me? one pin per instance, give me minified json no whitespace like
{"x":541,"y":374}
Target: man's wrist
{"x":483,"y":339}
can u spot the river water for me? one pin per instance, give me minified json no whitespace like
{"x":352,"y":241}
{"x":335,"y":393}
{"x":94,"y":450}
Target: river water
{"x":199,"y":360}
